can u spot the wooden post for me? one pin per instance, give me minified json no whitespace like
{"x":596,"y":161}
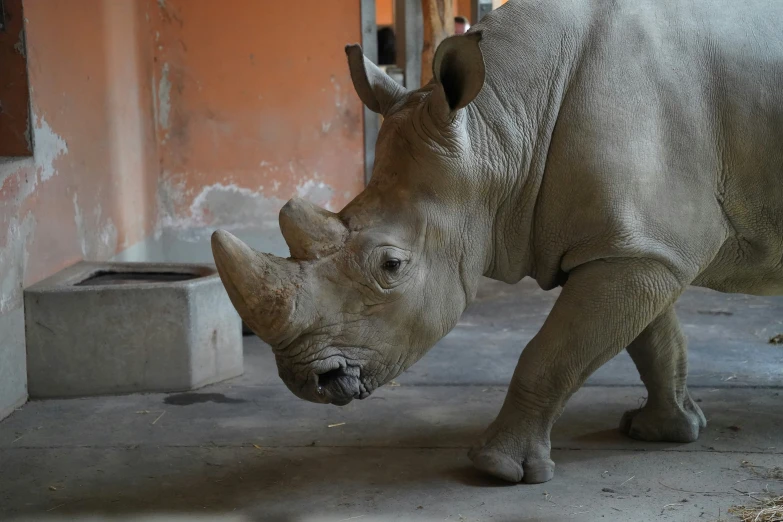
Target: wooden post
{"x":438,"y":18}
{"x":407,"y":25}
{"x":372,"y":122}
{"x":481,"y":8}
{"x":463,"y":8}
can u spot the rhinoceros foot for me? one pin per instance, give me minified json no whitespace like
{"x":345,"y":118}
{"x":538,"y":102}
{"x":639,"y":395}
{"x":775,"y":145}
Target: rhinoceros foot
{"x":677,"y":423}
{"x":513,"y":452}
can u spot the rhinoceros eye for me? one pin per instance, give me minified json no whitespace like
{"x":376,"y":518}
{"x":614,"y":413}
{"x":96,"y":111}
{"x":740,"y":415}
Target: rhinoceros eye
{"x":390,"y":265}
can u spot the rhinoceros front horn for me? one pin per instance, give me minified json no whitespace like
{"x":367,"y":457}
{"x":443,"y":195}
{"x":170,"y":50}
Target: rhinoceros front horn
{"x":262,"y":287}
{"x":311,"y":232}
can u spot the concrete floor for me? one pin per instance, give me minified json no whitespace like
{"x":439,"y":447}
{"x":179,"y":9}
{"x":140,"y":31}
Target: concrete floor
{"x":248,"y":450}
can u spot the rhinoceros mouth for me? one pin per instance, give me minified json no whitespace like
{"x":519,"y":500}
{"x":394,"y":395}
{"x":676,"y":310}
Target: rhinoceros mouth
{"x":340,"y":385}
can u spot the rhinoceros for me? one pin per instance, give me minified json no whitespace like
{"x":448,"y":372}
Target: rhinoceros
{"x":621,"y":150}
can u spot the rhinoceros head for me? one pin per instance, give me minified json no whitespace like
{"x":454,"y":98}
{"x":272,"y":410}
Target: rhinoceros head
{"x":366,"y":292}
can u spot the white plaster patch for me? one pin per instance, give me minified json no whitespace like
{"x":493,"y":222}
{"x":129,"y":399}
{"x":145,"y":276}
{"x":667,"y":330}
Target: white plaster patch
{"x":338,"y":98}
{"x":77,"y":216}
{"x":164,"y":97}
{"x":154,"y":91}
{"x":316,"y":192}
{"x":268,"y":166}
{"x":13,"y":260}
{"x":231,"y":206}
{"x":10,"y":167}
{"x":28,"y":137}
{"x":19,"y":46}
{"x":102,"y":244}
{"x":225,"y":205}
{"x":171,"y":196}
{"x":107,"y":241}
{"x":48,"y":147}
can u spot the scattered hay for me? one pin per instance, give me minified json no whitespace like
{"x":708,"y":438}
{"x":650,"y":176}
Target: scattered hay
{"x":763,"y":472}
{"x":768,"y":509}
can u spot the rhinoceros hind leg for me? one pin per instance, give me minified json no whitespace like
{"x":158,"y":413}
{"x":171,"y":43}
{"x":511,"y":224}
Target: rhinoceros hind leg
{"x":670,"y":415}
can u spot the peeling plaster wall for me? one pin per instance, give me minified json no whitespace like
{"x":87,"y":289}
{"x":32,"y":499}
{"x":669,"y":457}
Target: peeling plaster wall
{"x":253,"y":105}
{"x":156,"y":121}
{"x":90,"y":189}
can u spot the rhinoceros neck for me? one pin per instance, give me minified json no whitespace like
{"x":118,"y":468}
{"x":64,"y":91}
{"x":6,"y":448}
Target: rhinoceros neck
{"x":530,"y":57}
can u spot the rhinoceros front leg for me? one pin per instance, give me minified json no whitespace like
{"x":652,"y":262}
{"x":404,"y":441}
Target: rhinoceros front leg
{"x":604,"y":306}
{"x":660,"y":354}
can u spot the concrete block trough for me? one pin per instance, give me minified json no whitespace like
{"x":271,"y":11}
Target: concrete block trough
{"x":111,"y":328}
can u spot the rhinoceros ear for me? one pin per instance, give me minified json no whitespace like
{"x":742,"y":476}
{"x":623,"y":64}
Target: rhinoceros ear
{"x":377,"y":90}
{"x":458,"y":67}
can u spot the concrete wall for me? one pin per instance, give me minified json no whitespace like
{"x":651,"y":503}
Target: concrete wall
{"x":156,"y":121}
{"x":89,"y":190}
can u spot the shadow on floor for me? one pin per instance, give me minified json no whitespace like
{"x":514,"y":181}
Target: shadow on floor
{"x":240,"y":518}
{"x":147,"y":481}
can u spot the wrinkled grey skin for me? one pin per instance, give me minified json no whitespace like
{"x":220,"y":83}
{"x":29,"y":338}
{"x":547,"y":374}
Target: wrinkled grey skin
{"x":621,"y":149}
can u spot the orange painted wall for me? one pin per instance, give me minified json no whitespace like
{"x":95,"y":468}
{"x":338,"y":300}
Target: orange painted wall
{"x":270,"y":109}
{"x":384,"y":12}
{"x":253,"y":119}
{"x":91,"y":187}
{"x":156,"y":115}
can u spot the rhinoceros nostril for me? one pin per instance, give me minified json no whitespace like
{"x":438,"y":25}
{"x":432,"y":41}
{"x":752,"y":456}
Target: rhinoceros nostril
{"x":327,"y":378}
{"x":339,"y":386}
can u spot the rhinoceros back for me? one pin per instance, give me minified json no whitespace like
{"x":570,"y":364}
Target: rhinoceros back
{"x":668,"y":131}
